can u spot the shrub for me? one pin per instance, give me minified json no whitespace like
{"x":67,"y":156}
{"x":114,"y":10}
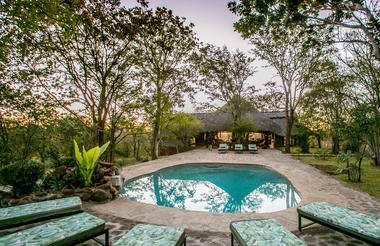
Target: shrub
{"x":65,"y":161}
{"x":22,"y":175}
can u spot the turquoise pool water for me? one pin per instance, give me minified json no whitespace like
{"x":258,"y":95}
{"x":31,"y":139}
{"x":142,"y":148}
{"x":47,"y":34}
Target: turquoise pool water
{"x":220,"y":188}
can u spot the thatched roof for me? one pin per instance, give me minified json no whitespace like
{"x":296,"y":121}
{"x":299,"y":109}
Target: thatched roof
{"x":222,"y":121}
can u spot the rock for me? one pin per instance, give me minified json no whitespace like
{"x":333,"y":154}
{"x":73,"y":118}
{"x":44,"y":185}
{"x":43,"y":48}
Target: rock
{"x":106,"y":164}
{"x":83,"y":190}
{"x":41,"y":193}
{"x":60,"y":171}
{"x":68,"y":191}
{"x":52,"y":197}
{"x":114,"y":191}
{"x":85,"y":196}
{"x":103,"y":186}
{"x":107,"y":178}
{"x":14,"y":202}
{"x":100,"y":195}
{"x":117,"y":180}
{"x":25,"y":200}
{"x":144,"y":160}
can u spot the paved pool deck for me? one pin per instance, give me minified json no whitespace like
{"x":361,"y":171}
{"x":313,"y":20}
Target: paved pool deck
{"x":206,"y":228}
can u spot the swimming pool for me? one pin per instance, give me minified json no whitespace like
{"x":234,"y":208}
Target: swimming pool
{"x":214,"y":187}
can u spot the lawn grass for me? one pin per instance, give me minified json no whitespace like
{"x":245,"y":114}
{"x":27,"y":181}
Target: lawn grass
{"x":127,"y":161}
{"x":370,"y":180}
{"x":297,"y":150}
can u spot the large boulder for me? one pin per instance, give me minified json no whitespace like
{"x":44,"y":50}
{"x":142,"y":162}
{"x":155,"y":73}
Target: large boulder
{"x":100,"y":195}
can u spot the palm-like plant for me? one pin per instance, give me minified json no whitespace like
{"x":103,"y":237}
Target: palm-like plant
{"x":87,"y":160}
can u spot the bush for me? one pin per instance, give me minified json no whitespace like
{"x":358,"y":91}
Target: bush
{"x":65,"y":161}
{"x":22,"y":175}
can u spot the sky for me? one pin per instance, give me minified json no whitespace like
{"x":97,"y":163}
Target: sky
{"x":214,"y":25}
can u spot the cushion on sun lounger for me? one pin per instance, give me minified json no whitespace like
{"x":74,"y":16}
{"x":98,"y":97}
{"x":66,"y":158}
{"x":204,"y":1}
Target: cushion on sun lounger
{"x":252,"y":147}
{"x":39,"y":210}
{"x":59,"y":232}
{"x":263,"y":232}
{"x":143,"y":234}
{"x":223,"y":146}
{"x":343,"y":218}
{"x":238,"y":147}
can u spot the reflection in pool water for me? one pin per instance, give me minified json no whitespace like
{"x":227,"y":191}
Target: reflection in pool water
{"x":226,"y":188}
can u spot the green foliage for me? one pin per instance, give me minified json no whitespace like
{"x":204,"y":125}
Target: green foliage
{"x":22,"y":175}
{"x":257,"y":17}
{"x":65,"y":161}
{"x":87,"y":160}
{"x":182,"y":127}
{"x":353,"y":164}
{"x":224,"y":77}
{"x":241,"y":130}
{"x":166,"y":45}
{"x":303,"y":139}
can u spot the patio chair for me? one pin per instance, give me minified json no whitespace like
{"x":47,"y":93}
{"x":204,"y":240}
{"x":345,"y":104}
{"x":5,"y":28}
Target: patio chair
{"x":238,"y":148}
{"x":144,"y":234}
{"x":262,"y":232}
{"x":361,"y":226}
{"x":223,"y":147}
{"x":71,"y":230}
{"x":38,"y":211}
{"x":252,"y":148}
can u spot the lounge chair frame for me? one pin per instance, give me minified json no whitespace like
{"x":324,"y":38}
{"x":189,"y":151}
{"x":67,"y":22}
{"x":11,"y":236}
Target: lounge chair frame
{"x":93,"y":237}
{"x":343,"y":230}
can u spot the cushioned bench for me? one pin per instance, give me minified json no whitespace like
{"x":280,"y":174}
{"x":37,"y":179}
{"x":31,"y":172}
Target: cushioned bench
{"x":33,"y":212}
{"x":143,"y":234}
{"x":262,"y":232}
{"x":70,"y":230}
{"x":361,"y":226}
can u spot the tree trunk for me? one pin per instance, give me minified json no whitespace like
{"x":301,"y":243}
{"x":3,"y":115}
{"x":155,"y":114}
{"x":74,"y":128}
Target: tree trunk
{"x":112,"y":145}
{"x":155,"y":142}
{"x":319,"y":142}
{"x":134,"y":144}
{"x":289,"y":126}
{"x":335,"y":147}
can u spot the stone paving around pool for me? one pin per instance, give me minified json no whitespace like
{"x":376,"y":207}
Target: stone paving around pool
{"x":203,"y":228}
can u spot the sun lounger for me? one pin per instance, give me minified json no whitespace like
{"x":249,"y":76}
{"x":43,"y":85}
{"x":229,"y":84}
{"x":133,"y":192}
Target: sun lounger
{"x":33,"y":212}
{"x":238,"y":148}
{"x":143,"y":234}
{"x":71,"y":230}
{"x":361,"y":226}
{"x":262,"y":232}
{"x":223,"y":147}
{"x":252,"y":148}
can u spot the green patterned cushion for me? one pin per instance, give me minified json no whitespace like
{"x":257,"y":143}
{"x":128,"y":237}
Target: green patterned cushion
{"x":263,"y":232}
{"x":345,"y":218}
{"x":152,"y":235}
{"x":59,"y":232}
{"x":38,"y":210}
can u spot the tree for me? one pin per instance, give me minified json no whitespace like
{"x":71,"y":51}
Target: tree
{"x":348,"y":21}
{"x":183,"y":126}
{"x":225,"y":77}
{"x":366,"y":95}
{"x":295,"y":64}
{"x":328,"y":102}
{"x":165,"y":69}
{"x":82,"y":56}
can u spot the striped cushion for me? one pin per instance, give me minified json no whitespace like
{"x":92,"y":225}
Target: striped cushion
{"x":39,"y":210}
{"x":263,"y":232}
{"x":59,"y":232}
{"x":152,"y":235}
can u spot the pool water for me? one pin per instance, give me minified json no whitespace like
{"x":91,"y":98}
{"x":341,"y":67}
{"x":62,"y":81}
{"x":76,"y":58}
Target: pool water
{"x":219,"y":188}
